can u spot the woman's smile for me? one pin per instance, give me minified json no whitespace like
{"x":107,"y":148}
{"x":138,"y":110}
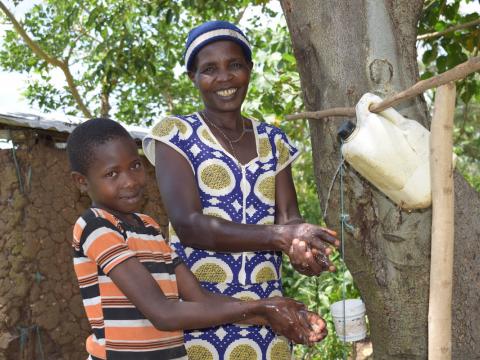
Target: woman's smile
{"x":227,"y":92}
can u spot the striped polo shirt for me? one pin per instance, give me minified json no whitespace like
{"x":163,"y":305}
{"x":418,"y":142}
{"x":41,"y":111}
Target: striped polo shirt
{"x":119,"y":330}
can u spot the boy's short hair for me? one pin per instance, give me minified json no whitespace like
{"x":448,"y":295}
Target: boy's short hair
{"x":82,"y":141}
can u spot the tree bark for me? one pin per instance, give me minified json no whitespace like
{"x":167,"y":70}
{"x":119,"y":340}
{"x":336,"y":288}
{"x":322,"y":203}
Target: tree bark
{"x":344,"y":49}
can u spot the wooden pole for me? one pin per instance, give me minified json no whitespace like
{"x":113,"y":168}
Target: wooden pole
{"x":441,"y":269}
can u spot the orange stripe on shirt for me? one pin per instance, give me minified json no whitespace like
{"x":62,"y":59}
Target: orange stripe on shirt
{"x":140,"y":333}
{"x":117,"y":261}
{"x":135,"y":242}
{"x":153,"y":345}
{"x":104,"y":241}
{"x":95,"y":348}
{"x":94,"y":311}
{"x":107,"y":216}
{"x":149,"y":221}
{"x":85,"y":269}
{"x":110,"y":289}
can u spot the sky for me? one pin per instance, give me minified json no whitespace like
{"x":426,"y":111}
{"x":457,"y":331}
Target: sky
{"x":12,"y":84}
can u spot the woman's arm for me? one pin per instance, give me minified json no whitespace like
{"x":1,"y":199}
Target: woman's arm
{"x":306,"y":259}
{"x":286,"y":205}
{"x":133,"y":279}
{"x":182,"y":202}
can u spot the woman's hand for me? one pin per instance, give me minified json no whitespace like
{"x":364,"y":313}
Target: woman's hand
{"x":291,"y":319}
{"x":307,"y":245}
{"x":310,"y":247}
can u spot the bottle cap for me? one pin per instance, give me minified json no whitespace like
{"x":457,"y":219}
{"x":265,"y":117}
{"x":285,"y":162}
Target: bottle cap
{"x":345,"y":130}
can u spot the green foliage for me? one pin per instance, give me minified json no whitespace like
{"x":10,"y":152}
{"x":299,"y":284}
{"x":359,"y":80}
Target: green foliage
{"x":467,"y":141}
{"x":445,"y":52}
{"x":126,"y":50}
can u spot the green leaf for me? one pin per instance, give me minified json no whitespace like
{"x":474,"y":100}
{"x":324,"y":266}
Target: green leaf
{"x":429,"y":55}
{"x":442,"y":63}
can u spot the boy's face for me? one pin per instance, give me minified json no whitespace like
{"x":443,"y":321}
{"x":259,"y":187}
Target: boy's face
{"x":115,"y":179}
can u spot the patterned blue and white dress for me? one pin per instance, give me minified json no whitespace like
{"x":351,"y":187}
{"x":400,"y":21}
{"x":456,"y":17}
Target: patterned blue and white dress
{"x":242,"y":194}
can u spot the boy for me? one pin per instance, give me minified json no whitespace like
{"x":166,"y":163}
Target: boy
{"x":131,"y":280}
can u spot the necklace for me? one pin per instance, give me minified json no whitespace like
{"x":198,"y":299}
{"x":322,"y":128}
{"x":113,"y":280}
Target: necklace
{"x":225,"y":136}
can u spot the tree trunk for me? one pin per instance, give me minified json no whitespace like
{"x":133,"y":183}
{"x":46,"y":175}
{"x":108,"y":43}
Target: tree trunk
{"x":344,"y":49}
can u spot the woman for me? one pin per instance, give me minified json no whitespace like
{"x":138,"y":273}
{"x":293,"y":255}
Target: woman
{"x":227,"y":186}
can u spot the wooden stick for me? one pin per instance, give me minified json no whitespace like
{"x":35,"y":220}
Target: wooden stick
{"x":458,"y":72}
{"x":340,"y":111}
{"x":441,"y":267}
{"x":449,"y":30}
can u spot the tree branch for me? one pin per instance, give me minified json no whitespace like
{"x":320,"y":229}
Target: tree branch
{"x":105,"y":101}
{"x":37,"y":50}
{"x":457,"y":73}
{"x":74,"y":91}
{"x":240,"y":15}
{"x":448,"y":30}
{"x":338,"y":111}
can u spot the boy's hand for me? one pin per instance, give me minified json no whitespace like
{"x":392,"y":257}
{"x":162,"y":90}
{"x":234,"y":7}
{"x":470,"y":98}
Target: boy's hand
{"x":291,"y":319}
{"x":318,"y":327}
{"x":281,"y":314}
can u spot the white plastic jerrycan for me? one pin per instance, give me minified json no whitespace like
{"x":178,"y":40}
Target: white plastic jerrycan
{"x":391,"y":152}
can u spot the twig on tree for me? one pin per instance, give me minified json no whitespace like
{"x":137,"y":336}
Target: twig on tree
{"x":240,"y":14}
{"x":339,"y":111}
{"x":105,"y":103}
{"x":448,"y":30}
{"x":37,"y":50}
{"x":458,"y":72}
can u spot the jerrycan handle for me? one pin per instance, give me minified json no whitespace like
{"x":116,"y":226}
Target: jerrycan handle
{"x":362,"y":110}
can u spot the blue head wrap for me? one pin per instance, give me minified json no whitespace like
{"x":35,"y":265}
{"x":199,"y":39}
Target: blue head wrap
{"x":212,"y":31}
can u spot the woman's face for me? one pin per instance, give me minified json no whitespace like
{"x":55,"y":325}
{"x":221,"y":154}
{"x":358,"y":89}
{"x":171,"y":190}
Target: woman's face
{"x":221,"y":74}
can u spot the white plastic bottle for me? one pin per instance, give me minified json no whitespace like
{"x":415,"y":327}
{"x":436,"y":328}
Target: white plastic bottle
{"x":391,"y":152}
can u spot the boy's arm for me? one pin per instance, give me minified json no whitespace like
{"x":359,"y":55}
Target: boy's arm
{"x":190,"y":289}
{"x":142,"y":290}
{"x":282,"y":314}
